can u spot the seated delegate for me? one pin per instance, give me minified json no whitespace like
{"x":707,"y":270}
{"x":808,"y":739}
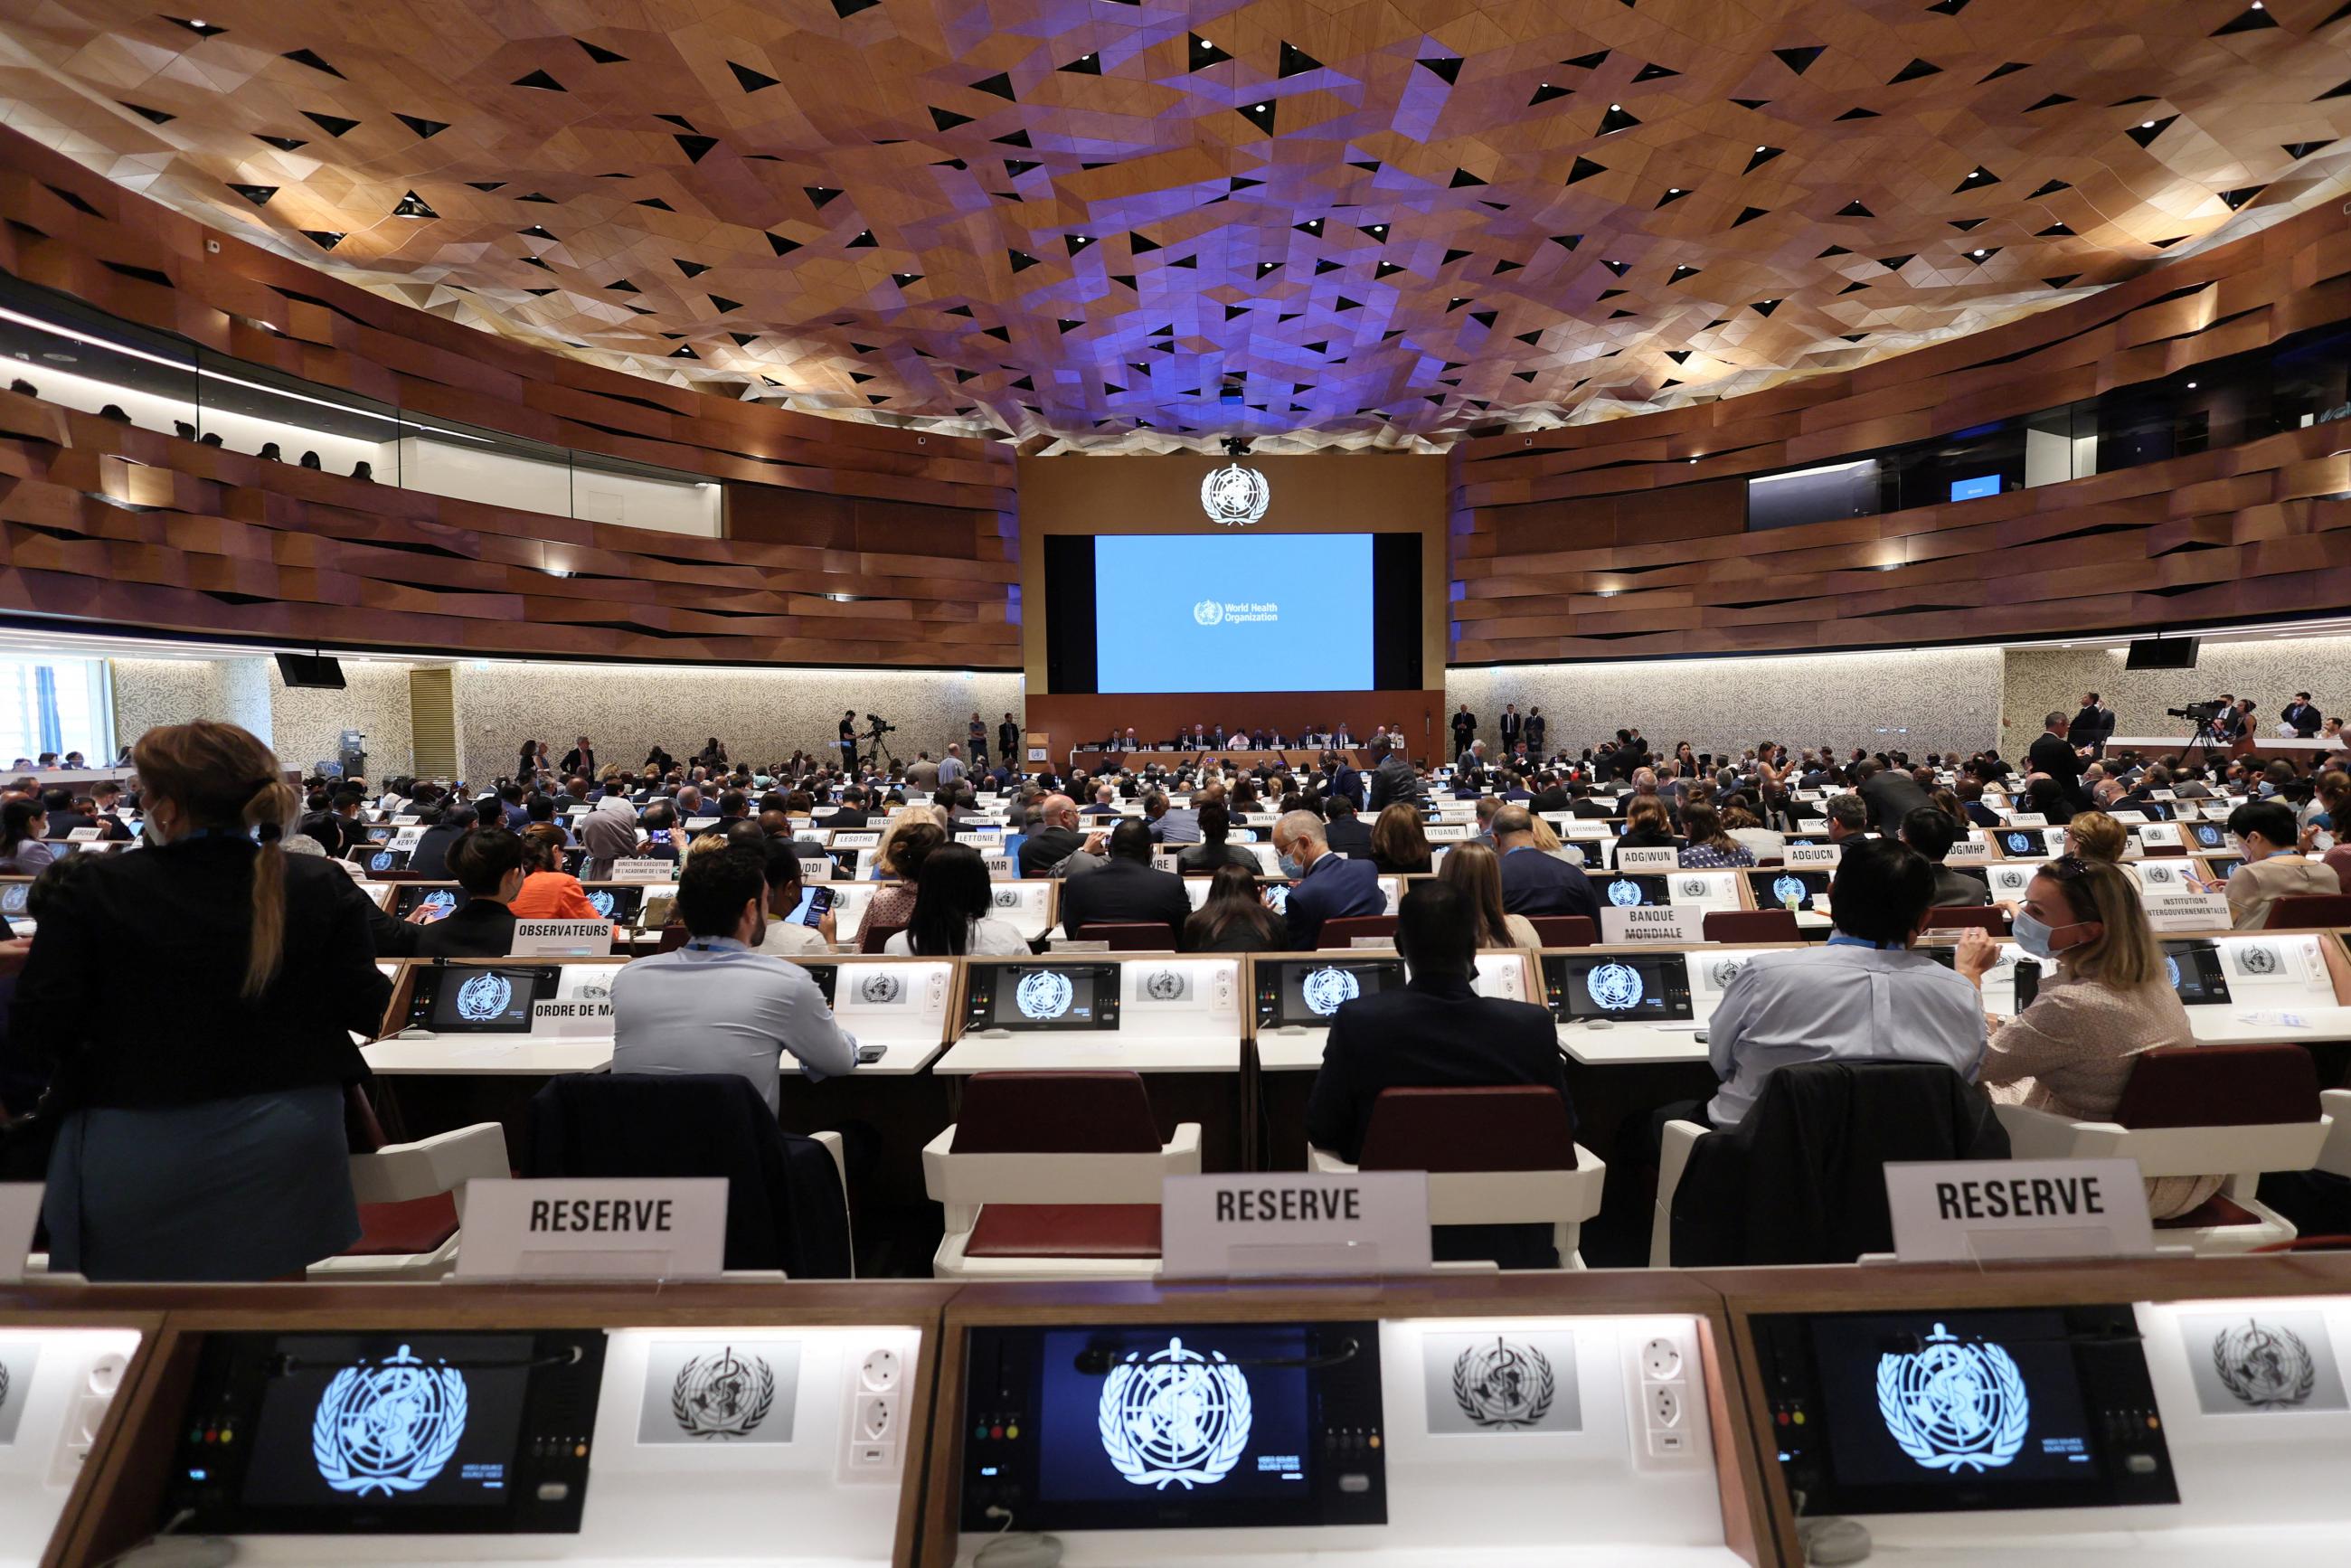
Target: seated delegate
{"x":955,"y":911}
{"x":715,"y":1005}
{"x":1865,"y":995}
{"x":1329,"y":886}
{"x":488,"y":864}
{"x":1436,"y":1032}
{"x":2070,"y":1051}
{"x":1124,"y":889}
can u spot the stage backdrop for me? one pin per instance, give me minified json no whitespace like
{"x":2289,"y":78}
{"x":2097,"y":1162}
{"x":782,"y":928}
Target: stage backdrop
{"x":1380,"y":495}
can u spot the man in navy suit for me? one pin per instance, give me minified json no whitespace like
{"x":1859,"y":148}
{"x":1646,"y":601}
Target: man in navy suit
{"x":1329,"y":886}
{"x":1344,"y":780}
{"x":1347,"y":832}
{"x":1535,"y":882}
{"x":1436,"y":1033}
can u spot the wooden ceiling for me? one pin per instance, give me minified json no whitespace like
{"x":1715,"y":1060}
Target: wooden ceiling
{"x":1094,"y":221}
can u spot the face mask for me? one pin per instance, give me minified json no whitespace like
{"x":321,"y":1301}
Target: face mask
{"x":152,"y":831}
{"x":2031,"y":935}
{"x":1289,"y":867}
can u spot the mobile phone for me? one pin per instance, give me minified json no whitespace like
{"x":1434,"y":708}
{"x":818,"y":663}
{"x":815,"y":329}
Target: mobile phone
{"x":814,"y":904}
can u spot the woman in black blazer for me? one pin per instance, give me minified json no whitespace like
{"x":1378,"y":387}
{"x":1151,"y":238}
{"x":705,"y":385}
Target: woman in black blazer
{"x":191,"y":1006}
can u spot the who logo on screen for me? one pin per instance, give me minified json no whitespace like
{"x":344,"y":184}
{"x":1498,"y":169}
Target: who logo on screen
{"x":1235,"y":497}
{"x":1209,"y":613}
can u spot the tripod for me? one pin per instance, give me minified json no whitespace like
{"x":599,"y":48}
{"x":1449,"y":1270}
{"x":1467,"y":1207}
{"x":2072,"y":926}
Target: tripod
{"x":2207,"y":740}
{"x":881,"y":756}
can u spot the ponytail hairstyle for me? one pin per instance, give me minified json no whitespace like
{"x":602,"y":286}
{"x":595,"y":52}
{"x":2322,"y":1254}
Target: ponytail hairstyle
{"x":223,"y":778}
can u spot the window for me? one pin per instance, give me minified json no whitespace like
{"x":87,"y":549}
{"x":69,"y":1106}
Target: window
{"x":56,"y":705}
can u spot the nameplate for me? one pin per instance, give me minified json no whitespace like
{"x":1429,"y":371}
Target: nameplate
{"x":855,"y":839}
{"x":2128,"y":817}
{"x":646,"y":869}
{"x":612,"y":1228}
{"x":1966,"y":1210}
{"x":561,"y":939}
{"x":405,"y":819}
{"x":2187,"y":911}
{"x":1648,"y":859}
{"x":1067,"y":945}
{"x":1968,"y":852}
{"x":1652,"y":923}
{"x":1451,"y":833}
{"x":1388,"y":942}
{"x":979,"y":841}
{"x":577,"y":810}
{"x":696,"y":825}
{"x":588,"y":1018}
{"x":2163,"y":795}
{"x":20,"y":1209}
{"x":1284,"y":1223}
{"x":1814,"y":854}
{"x":84,"y":835}
{"x":2028,"y":819}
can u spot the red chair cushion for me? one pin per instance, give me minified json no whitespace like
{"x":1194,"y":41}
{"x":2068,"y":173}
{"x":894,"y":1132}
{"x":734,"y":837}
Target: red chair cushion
{"x":1065,"y":1230}
{"x":398,"y":1230}
{"x":872,"y":938}
{"x":2219,"y":1086}
{"x":1055,"y":1114}
{"x":1952,"y":917}
{"x":1342,"y":930}
{"x":1513,"y":1127}
{"x":1564,"y":930}
{"x":2304,"y":911}
{"x":2218,"y":1210}
{"x":1130,"y":936}
{"x":1751,"y":925}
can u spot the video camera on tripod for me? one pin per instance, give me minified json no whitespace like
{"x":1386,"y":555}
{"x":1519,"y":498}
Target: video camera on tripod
{"x":2198,"y":713}
{"x":879,"y":725}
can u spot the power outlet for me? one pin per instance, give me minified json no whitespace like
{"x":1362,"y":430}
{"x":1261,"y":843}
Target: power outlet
{"x":1669,"y":1435}
{"x":876,"y":1398}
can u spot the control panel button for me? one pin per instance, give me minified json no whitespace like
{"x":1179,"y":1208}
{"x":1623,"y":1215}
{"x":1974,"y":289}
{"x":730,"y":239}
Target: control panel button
{"x":2139,"y":1464}
{"x":1352,"y":1482}
{"x":554,"y":1491}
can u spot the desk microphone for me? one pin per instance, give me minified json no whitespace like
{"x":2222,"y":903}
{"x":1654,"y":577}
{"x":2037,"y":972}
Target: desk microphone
{"x":2028,"y":982}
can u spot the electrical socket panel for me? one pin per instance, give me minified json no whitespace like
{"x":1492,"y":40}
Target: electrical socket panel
{"x":1668,"y":1430}
{"x":874,"y":1402}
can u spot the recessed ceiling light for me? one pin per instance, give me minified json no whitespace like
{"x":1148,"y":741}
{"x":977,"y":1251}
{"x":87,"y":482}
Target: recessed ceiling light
{"x":1758,"y":149}
{"x":1673,"y":190}
{"x":1616,"y":109}
{"x":2191,"y":386}
{"x":2147,"y":125}
{"x":1976,"y":252}
{"x":1261,"y":109}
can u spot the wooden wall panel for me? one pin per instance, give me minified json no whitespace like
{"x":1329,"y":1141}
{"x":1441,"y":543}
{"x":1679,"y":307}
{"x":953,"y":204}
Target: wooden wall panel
{"x":849,"y":543}
{"x":1608,"y":541}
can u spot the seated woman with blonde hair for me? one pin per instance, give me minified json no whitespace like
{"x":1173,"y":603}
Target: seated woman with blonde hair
{"x":2069,"y":1053}
{"x":2094,"y":836}
{"x":1476,"y":873}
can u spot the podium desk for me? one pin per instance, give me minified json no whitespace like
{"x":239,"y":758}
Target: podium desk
{"x":1446,"y":1421}
{"x":73,"y":1361}
{"x":717,"y":1423}
{"x":2140,"y":1413}
{"x":1176,"y":1018}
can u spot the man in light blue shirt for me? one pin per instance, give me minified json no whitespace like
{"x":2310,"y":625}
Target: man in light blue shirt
{"x":1863,"y":997}
{"x":716,"y":1005}
{"x":951,"y":766}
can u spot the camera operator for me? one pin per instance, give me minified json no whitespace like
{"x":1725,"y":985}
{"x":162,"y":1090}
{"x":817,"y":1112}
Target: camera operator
{"x":849,"y":741}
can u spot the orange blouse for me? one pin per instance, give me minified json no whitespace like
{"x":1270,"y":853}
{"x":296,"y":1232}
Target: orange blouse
{"x":551,"y":895}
